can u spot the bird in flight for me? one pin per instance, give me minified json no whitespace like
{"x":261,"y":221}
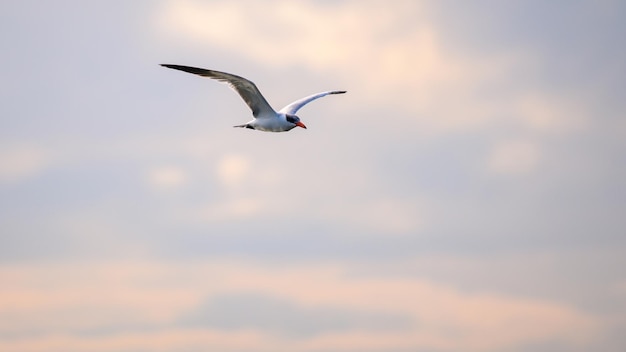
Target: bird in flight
{"x":265,"y":117}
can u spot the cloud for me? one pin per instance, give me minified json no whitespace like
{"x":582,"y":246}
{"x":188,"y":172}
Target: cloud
{"x":20,"y":162}
{"x":230,"y":209}
{"x":168,"y":340}
{"x":282,"y":317}
{"x":232,"y":170}
{"x":548,"y":113}
{"x":247,"y":189}
{"x":129,"y":305}
{"x":382,"y":217}
{"x":514,"y":157}
{"x":307,"y":32}
{"x":167,"y":177}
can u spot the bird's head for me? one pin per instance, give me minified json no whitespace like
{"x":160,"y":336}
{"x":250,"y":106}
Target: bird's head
{"x":295,"y":120}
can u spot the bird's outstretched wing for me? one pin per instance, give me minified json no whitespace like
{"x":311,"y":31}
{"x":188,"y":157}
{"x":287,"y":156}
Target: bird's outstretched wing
{"x":246,"y":89}
{"x":296,"y":105}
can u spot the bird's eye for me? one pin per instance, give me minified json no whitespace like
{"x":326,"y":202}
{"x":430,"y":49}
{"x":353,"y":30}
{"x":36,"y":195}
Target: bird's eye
{"x":291,"y":119}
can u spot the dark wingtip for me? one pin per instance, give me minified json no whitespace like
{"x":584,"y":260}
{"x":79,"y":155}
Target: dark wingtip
{"x":194,"y":70}
{"x":339,"y":92}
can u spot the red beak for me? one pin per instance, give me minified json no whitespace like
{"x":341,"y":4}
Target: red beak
{"x":300,"y":124}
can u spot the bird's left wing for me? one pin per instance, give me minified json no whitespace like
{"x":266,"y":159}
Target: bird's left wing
{"x":296,"y":105}
{"x":246,"y":88}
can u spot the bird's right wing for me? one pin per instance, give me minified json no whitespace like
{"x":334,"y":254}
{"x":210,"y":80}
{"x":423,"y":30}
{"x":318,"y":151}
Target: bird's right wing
{"x":246,"y":89}
{"x":296,"y":105}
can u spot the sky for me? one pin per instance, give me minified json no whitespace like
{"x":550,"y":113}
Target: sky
{"x":466,"y":194}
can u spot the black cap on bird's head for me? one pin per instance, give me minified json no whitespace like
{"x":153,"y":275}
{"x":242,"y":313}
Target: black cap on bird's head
{"x":295,"y":120}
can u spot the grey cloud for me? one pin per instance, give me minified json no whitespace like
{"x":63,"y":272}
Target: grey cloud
{"x":279,"y":316}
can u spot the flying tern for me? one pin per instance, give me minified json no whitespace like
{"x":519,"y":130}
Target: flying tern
{"x":265,"y":117}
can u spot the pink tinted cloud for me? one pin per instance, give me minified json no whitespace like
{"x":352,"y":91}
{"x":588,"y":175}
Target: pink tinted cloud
{"x":138,"y":305}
